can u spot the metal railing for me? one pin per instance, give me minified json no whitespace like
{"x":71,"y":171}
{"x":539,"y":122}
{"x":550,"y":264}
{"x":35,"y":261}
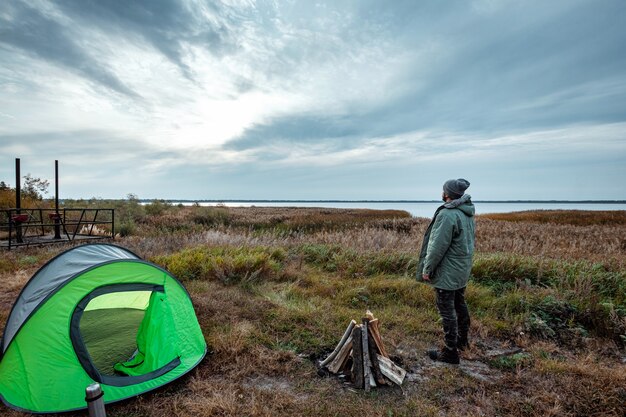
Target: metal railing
{"x":27,"y":226}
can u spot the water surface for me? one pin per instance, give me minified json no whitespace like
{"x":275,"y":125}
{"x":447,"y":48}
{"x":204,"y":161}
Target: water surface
{"x":426,"y":208}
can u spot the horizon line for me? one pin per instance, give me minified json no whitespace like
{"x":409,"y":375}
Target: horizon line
{"x":234,"y":200}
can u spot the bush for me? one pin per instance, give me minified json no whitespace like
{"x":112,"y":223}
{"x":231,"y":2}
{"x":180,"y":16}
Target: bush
{"x":334,"y":258}
{"x":226,"y":264}
{"x":211,"y":216}
{"x":127,"y":228}
{"x":157,"y":207}
{"x":504,"y":269}
{"x":7,"y":200}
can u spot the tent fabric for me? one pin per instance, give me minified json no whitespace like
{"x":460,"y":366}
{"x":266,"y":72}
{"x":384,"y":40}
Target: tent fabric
{"x":53,"y":275}
{"x":147,"y":358}
{"x":110,"y":336}
{"x":120,"y":313}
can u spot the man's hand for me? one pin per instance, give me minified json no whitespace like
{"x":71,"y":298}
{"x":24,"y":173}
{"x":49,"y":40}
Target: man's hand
{"x":426,"y":277}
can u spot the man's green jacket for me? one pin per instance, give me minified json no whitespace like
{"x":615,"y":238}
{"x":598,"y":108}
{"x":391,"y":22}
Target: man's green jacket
{"x":448,"y":246}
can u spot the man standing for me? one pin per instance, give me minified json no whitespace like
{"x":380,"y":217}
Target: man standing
{"x":446,"y":263}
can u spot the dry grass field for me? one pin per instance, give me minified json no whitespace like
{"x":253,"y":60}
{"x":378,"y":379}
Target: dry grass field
{"x":274,"y":288}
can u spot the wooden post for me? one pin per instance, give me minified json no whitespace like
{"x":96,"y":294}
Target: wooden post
{"x":18,"y":200}
{"x":18,"y":186}
{"x":366,"y":355}
{"x":357,"y":358}
{"x":57,"y":227}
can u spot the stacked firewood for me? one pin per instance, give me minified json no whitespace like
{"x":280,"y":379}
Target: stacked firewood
{"x":361,"y":355}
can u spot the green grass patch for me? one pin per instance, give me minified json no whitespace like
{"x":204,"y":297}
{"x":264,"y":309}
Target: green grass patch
{"x":550,"y":299}
{"x":350,"y":262}
{"x":512,"y":362}
{"x":230,"y":265}
{"x":582,"y":282}
{"x":503,"y":271}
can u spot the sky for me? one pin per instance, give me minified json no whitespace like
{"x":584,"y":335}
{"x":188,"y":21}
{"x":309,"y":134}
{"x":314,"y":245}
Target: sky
{"x":349,"y":100}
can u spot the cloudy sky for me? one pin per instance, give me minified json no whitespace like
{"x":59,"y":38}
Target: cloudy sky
{"x":362,"y":99}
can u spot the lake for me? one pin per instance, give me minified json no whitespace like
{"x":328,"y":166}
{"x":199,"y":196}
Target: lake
{"x":426,"y":208}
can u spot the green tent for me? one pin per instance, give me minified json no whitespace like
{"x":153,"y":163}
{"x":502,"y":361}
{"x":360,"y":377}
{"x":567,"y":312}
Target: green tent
{"x":96,"y":313}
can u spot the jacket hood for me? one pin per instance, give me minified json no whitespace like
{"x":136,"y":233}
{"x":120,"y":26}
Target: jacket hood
{"x":464,"y":204}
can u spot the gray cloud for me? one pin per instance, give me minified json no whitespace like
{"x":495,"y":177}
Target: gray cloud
{"x":89,"y":148}
{"x":520,"y":56}
{"x":514,"y":68}
{"x":92,"y":162}
{"x":34,"y":32}
{"x":311,"y":129}
{"x":168,"y":25}
{"x":379,"y":94}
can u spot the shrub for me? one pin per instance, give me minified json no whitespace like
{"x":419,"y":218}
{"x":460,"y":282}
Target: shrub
{"x":157,"y":207}
{"x":226,"y":264}
{"x":333,"y":258}
{"x":210,"y":216}
{"x":126,"y":228}
{"x":503,"y":269}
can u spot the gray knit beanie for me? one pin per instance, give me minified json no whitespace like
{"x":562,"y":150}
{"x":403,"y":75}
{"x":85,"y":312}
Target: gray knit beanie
{"x":455,"y":188}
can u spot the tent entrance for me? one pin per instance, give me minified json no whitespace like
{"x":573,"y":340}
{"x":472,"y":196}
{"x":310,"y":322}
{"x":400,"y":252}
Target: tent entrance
{"x":109,"y":327}
{"x":120,"y":334}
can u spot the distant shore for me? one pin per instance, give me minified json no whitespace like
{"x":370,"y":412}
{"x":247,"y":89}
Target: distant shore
{"x":420,"y":208}
{"x":148,"y":200}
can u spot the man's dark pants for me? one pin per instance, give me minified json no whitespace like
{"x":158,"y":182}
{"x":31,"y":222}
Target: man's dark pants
{"x":455,"y":315}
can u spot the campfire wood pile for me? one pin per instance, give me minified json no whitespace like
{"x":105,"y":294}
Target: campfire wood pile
{"x":361,"y":355}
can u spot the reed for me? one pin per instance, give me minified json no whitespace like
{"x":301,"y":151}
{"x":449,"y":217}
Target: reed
{"x":571,"y":217}
{"x":273,"y":288}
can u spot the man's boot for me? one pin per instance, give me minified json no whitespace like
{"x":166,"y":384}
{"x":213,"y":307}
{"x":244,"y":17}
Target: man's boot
{"x":445,"y":355}
{"x":462,"y":343}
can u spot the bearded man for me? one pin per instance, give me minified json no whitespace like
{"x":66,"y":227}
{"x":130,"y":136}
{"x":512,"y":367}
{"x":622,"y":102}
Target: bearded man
{"x":446,"y":263}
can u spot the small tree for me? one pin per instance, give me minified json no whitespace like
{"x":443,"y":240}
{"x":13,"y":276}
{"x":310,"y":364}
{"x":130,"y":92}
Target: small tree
{"x":129,"y":212}
{"x":35,"y":188}
{"x":7,"y":196}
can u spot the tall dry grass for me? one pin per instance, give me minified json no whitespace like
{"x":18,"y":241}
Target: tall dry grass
{"x":275,"y":288}
{"x":365,"y":230}
{"x":571,"y":217}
